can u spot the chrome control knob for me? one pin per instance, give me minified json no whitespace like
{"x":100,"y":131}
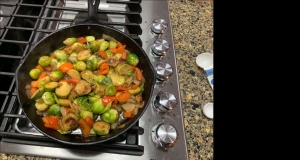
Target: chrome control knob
{"x":164,"y":71}
{"x":160,"y":47}
{"x":164,"y":135}
{"x":159,"y":26}
{"x":165,"y":102}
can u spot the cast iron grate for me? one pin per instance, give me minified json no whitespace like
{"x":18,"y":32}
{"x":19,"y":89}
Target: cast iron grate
{"x":23,"y":23}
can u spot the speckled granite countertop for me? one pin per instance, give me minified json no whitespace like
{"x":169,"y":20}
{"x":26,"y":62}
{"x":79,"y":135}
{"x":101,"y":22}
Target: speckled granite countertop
{"x":192,"y":23}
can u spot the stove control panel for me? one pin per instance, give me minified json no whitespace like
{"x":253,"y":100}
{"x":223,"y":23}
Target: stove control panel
{"x":163,"y":71}
{"x":160,"y":47}
{"x":165,"y":102}
{"x":164,"y":135}
{"x":159,"y":26}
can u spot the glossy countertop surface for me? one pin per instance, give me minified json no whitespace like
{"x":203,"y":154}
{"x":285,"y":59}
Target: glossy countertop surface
{"x":192,"y":25}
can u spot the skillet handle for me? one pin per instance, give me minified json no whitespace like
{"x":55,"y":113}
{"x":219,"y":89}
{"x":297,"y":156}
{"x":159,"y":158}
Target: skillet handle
{"x":92,"y":12}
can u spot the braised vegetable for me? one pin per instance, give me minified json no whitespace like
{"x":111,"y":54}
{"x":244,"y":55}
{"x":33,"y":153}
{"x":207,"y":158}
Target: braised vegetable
{"x":87,"y":84}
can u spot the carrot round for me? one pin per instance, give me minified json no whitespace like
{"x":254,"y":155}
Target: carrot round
{"x":104,"y":68}
{"x":127,"y":114}
{"x":66,"y":66}
{"x":103,"y":54}
{"x":124,"y":96}
{"x":85,"y":128}
{"x":89,"y":121}
{"x":81,"y":39}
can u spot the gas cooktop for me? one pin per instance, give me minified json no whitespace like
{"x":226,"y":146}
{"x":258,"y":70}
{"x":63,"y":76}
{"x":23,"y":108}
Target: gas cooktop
{"x":159,"y":133}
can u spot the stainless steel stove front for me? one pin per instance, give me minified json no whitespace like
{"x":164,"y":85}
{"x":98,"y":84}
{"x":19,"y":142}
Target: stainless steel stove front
{"x":164,"y":133}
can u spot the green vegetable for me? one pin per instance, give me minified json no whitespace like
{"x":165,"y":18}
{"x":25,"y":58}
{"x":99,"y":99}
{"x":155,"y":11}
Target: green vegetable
{"x":35,"y":73}
{"x":84,"y":113}
{"x":69,"y":122}
{"x":109,"y":53}
{"x":110,"y":116}
{"x":77,"y":47}
{"x":70,"y":41}
{"x":106,"y":81}
{"x":64,"y":132}
{"x":112,"y":44}
{"x":84,"y":55}
{"x":132,"y":59}
{"x":60,"y":55}
{"x":94,"y":46}
{"x":92,"y":63}
{"x":99,"y":78}
{"x":61,"y":62}
{"x":87,"y":75}
{"x":56,"y":75}
{"x":90,"y":38}
{"x":63,"y":90}
{"x":104,"y":45}
{"x":83,"y":88}
{"x":107,"y":107}
{"x":43,"y":81}
{"x":38,"y":93}
{"x":98,"y":107}
{"x":41,"y":106}
{"x":124,"y":69}
{"x":110,"y":90}
{"x":84,"y":103}
{"x":73,"y":57}
{"x":50,"y":86}
{"x":135,"y":91}
{"x":73,"y":74}
{"x":48,"y":98}
{"x":101,"y":128}
{"x":54,"y":110}
{"x":80,"y":66}
{"x":45,"y":61}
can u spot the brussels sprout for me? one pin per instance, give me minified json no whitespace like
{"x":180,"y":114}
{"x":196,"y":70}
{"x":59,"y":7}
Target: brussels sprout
{"x":73,"y":57}
{"x":132,"y":59}
{"x":70,"y":41}
{"x":118,"y":56}
{"x":107,"y":107}
{"x":110,"y":90}
{"x":50,"y":86}
{"x":104,"y":45}
{"x":106,"y":81}
{"x":61,"y":55}
{"x":110,"y":116}
{"x":80,"y":66}
{"x":64,"y":132}
{"x":84,"y":103}
{"x":135,"y":91}
{"x":90,"y":38}
{"x":45,"y":61}
{"x":39,"y":100}
{"x":54,"y":110}
{"x":92,"y":63}
{"x":35,"y":73}
{"x":41,"y":106}
{"x":38,"y":93}
{"x":56,"y":75}
{"x":116,"y":79}
{"x":87,"y":75}
{"x":124,"y":69}
{"x":63,"y":102}
{"x":69,"y":122}
{"x":83,"y":88}
{"x":94,"y":46}
{"x":101,"y":128}
{"x":77,"y":47}
{"x":99,"y":78}
{"x":43,"y":81}
{"x":54,"y":64}
{"x":84,"y":55}
{"x":98,"y":107}
{"x":84,"y":113}
{"x":48,"y":98}
{"x":73,"y":74}
{"x":112,"y":44}
{"x":120,"y":81}
{"x":109,"y":53}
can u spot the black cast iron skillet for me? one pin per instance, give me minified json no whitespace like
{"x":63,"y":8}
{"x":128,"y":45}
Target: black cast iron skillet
{"x":54,"y":41}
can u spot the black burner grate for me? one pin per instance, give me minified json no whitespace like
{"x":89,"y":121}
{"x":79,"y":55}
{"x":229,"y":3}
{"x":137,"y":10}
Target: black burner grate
{"x":24,"y":23}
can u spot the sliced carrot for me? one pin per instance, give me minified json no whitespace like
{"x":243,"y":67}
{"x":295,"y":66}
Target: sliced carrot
{"x":85,"y":128}
{"x":120,"y":88}
{"x":119,"y":44}
{"x":81,"y":39}
{"x":139,"y":75}
{"x":40,"y":68}
{"x":104,"y":68}
{"x":89,"y":121}
{"x":124,"y":96}
{"x":127,"y":114}
{"x":34,"y":83}
{"x":66,"y":66}
{"x":124,"y":55}
{"x":73,"y":81}
{"x":103,"y":54}
{"x":118,"y":50}
{"x":33,"y":90}
{"x":134,"y":86}
{"x":43,"y":74}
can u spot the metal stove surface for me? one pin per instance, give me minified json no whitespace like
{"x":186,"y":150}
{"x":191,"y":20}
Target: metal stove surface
{"x":167,"y":87}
